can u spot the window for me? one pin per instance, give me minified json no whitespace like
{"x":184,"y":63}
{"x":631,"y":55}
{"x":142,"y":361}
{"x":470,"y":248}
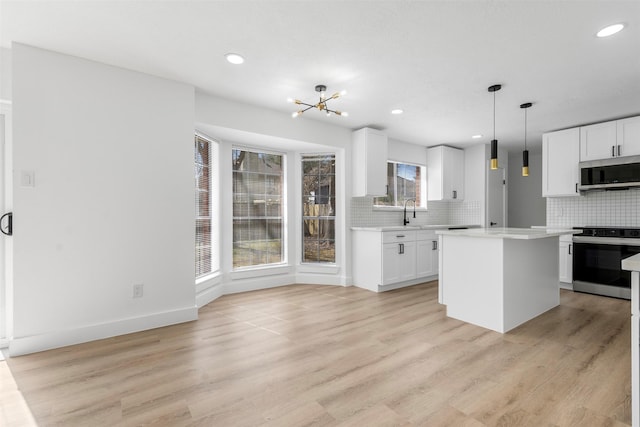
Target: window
{"x":318,"y":208}
{"x":257,"y":208}
{"x":206,"y":256}
{"x":403,"y":182}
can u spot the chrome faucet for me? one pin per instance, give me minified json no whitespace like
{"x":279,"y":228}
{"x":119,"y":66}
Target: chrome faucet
{"x":405,"y":221}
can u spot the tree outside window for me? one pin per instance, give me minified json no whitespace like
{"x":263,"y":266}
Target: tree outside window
{"x":318,"y":208}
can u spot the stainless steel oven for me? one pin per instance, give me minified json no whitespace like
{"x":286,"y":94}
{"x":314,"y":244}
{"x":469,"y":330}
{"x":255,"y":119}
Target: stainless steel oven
{"x":597,"y":255}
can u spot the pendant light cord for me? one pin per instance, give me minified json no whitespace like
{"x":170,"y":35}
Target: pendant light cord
{"x":525,"y":128}
{"x":494,"y":114}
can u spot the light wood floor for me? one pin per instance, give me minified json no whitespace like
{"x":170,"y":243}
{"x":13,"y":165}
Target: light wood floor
{"x":321,"y":355}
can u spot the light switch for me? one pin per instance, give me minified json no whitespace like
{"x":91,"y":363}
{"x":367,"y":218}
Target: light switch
{"x":27,"y":179}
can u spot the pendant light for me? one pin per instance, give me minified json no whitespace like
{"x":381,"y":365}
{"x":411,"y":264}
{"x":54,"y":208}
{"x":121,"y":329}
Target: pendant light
{"x":494,"y":141}
{"x":525,"y":153}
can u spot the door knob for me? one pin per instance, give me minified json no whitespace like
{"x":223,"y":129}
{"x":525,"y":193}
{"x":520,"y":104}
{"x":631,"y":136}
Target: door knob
{"x":493,"y":223}
{"x":9,"y":227}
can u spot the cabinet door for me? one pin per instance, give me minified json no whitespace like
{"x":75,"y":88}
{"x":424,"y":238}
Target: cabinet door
{"x":628,"y":135}
{"x":598,"y":141}
{"x":425,"y":265}
{"x":407,"y":261}
{"x":391,"y":263}
{"x":445,"y":173}
{"x":454,"y":173}
{"x":369,"y":162}
{"x":566,"y":262}
{"x":561,"y":163}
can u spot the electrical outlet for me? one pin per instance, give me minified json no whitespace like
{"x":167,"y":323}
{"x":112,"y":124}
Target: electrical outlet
{"x":138,"y":290}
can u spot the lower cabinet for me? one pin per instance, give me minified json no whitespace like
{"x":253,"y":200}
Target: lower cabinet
{"x":566,"y":262}
{"x":398,"y":262}
{"x":427,"y":254}
{"x":385,"y":260}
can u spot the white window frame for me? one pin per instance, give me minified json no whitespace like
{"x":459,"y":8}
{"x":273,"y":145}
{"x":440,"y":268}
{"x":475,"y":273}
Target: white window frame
{"x":423,"y":188}
{"x":275,"y":268}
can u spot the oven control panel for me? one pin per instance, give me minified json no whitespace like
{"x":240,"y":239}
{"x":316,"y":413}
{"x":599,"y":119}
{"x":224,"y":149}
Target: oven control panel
{"x":620,"y":232}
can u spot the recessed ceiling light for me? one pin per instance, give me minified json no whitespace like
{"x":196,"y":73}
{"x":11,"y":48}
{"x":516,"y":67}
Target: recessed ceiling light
{"x":610,"y":30}
{"x":397,"y":111}
{"x":476,"y":136}
{"x":234,"y":58}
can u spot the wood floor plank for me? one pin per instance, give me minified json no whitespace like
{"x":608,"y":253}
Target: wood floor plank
{"x":313,"y":355}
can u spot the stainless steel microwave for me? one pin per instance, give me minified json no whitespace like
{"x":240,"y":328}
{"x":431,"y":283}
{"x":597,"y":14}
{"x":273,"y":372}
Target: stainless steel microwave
{"x":618,"y":173}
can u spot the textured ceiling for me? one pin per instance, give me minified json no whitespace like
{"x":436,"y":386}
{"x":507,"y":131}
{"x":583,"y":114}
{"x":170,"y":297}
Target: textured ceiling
{"x":434,"y":59}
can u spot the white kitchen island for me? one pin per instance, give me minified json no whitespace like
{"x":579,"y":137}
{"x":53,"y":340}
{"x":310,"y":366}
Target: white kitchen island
{"x":632,"y":264}
{"x":499,"y":278}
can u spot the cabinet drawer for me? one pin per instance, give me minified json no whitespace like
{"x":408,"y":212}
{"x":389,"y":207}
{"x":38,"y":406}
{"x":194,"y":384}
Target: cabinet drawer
{"x":426,"y":235}
{"x":398,"y":236}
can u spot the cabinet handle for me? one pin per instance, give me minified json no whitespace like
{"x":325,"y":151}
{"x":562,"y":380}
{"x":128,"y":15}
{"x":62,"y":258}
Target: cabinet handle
{"x":576,"y":187}
{"x":400,"y":248}
{"x":434,"y":245}
{"x":569,"y":249}
{"x":618,"y":150}
{"x":613,"y":151}
{"x":455,"y":194}
{"x":399,"y":235}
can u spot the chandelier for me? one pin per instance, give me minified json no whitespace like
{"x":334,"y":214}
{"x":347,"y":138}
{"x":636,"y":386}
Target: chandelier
{"x":322,"y":103}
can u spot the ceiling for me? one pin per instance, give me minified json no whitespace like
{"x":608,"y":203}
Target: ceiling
{"x":433,"y":59}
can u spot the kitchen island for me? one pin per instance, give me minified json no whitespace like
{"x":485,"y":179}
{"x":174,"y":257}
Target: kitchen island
{"x":632,"y":264}
{"x":499,"y":278}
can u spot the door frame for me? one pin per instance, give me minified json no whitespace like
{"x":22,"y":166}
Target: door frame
{"x":487,"y":220}
{"x":6,"y":205}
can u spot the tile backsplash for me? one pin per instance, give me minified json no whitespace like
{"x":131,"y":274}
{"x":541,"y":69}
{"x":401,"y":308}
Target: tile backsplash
{"x":363,"y":214}
{"x":598,"y":208}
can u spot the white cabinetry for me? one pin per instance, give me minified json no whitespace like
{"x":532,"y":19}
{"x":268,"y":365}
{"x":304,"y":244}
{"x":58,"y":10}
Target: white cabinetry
{"x":385,"y":260}
{"x":616,"y":138}
{"x":628,"y":136}
{"x":427,"y":254}
{"x":560,"y":163}
{"x":598,"y":141}
{"x":398,"y":256}
{"x":369,"y":151}
{"x":445,"y":173}
{"x":566,"y":261}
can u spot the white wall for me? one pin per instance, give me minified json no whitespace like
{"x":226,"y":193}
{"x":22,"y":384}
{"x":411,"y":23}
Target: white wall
{"x":111,"y":152}
{"x":399,"y":151}
{"x":476,"y":162}
{"x":527,"y":207}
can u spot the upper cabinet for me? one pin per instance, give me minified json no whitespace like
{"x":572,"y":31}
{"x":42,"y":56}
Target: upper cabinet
{"x":616,"y":138}
{"x":628,"y":136}
{"x":560,"y":163}
{"x":445,"y":173}
{"x":369,"y":148}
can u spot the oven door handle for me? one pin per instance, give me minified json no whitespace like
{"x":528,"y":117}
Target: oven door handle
{"x":607,"y":240}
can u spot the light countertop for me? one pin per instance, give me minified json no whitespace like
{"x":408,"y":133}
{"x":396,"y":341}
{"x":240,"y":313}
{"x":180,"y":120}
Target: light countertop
{"x":414,"y":227}
{"x":509,"y":233}
{"x":632,"y":263}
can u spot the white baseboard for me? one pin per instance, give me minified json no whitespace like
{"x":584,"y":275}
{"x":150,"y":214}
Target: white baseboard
{"x":257,"y":283}
{"x":207,"y":295}
{"x":321,"y":279}
{"x":56,"y":339}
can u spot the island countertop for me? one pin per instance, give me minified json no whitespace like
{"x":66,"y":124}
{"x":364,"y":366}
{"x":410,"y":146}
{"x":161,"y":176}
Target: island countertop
{"x":509,"y":233}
